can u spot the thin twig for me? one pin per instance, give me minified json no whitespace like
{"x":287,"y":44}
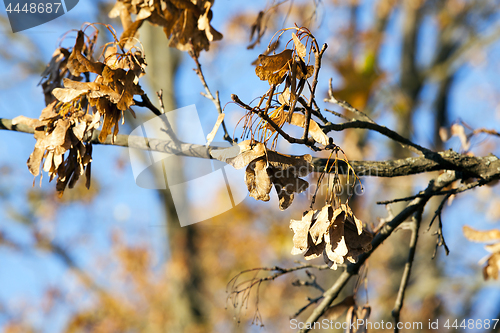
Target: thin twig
{"x":340,"y":115}
{"x":344,"y":104}
{"x":461,"y":189}
{"x":208,"y":94}
{"x":146,"y":102}
{"x":311,"y":302}
{"x":312,"y":283}
{"x":317,"y":65}
{"x":414,"y":227}
{"x":380,"y":129}
{"x":239,"y":293}
{"x":440,"y":237}
{"x":159,"y":93}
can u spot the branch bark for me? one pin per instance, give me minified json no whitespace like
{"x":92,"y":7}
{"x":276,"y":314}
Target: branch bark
{"x":487,"y":168}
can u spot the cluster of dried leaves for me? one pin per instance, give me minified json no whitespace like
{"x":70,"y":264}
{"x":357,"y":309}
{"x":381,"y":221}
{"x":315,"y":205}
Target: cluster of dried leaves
{"x":332,"y":232}
{"x":75,"y":107}
{"x":55,"y":135}
{"x":490,"y":271}
{"x":265,"y":168}
{"x":186,"y":22}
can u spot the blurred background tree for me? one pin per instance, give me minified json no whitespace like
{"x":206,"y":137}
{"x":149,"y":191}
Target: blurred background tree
{"x":115,"y":259}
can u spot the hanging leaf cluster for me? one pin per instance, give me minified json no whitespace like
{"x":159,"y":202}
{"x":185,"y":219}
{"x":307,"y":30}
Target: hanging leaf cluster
{"x":334,"y":233}
{"x":75,"y":106}
{"x":287,"y":73}
{"x":57,"y":135}
{"x":186,"y":23}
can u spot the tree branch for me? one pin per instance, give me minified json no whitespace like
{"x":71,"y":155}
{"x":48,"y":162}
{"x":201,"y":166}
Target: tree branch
{"x":487,"y":168}
{"x":352,"y":269}
{"x":414,"y":226}
{"x":208,"y":94}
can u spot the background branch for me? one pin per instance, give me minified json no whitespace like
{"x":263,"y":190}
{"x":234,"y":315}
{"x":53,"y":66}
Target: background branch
{"x":414,"y":227}
{"x":352,"y":269}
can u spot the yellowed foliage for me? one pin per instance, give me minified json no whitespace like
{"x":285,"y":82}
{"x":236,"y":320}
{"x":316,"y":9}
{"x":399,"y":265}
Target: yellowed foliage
{"x":490,"y":271}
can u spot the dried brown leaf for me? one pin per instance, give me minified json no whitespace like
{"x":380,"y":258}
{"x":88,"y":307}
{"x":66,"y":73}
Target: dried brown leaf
{"x":314,"y":251}
{"x":459,"y":131}
{"x":286,"y":187}
{"x":299,"y":166}
{"x":127,"y":39}
{"x":275,"y":62}
{"x":299,"y":47}
{"x":67,"y":95}
{"x":301,"y":230}
{"x":241,"y":154}
{"x":33,"y":123}
{"x":336,"y":247}
{"x":35,"y":160}
{"x":315,"y":131}
{"x":257,"y":179}
{"x":321,"y":224}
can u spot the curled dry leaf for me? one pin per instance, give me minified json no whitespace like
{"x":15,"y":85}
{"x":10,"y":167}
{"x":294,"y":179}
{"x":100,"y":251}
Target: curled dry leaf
{"x":315,"y":131}
{"x":284,"y":97}
{"x":459,"y":131}
{"x":299,"y":47}
{"x":240,"y":155}
{"x":335,"y":233}
{"x":490,"y":271}
{"x":266,"y":168}
{"x":257,"y":179}
{"x":56,"y":136}
{"x":273,"y":68}
{"x":481,"y":236}
{"x":185,"y":22}
{"x":54,"y":72}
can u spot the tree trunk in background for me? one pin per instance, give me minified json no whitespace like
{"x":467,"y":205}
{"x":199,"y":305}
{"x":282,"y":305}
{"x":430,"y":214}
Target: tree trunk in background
{"x":190,"y":312}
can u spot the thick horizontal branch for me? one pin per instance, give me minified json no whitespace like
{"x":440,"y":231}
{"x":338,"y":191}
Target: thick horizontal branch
{"x":470,"y":166}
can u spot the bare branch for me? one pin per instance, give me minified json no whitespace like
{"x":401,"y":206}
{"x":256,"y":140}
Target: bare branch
{"x":318,"y":54}
{"x":380,"y":129}
{"x":208,"y":94}
{"x":472,"y":185}
{"x":239,"y":293}
{"x":415,"y":226}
